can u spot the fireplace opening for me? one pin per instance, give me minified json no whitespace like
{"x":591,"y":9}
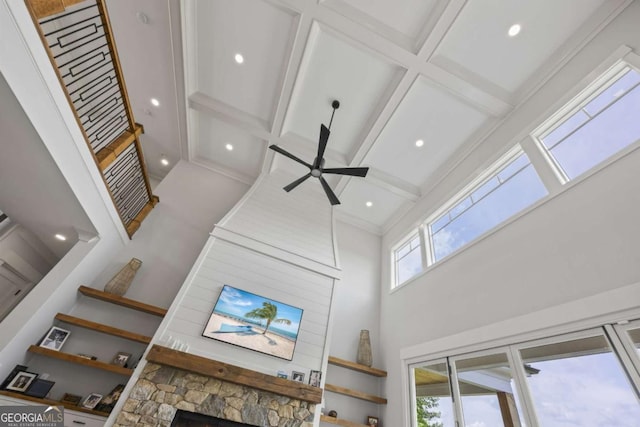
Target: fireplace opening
{"x":192,"y":419}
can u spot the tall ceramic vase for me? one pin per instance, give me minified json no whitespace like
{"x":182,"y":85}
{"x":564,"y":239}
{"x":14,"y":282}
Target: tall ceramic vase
{"x":121,"y":281}
{"x":364,"y":356}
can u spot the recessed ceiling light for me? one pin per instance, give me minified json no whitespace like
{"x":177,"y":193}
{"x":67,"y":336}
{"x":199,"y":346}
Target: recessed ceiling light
{"x":229,"y":147}
{"x":369,"y":204}
{"x":419,"y":143}
{"x":514,"y":30}
{"x":61,"y":237}
{"x":239,"y":58}
{"x":164,"y":160}
{"x":155,"y":102}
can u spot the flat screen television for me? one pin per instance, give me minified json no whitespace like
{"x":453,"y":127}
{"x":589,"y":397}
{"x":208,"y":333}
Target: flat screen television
{"x":251,"y":321}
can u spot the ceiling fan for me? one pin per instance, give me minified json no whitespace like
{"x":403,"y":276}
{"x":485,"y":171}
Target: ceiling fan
{"x":317,"y":168}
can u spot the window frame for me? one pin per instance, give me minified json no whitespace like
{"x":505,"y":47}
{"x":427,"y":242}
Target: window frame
{"x":404,"y":242}
{"x":576,"y":103}
{"x":488,"y":173}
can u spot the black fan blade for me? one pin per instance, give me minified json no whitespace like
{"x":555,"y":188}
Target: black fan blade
{"x":322,"y":145}
{"x":330,"y":194}
{"x":348,"y":171}
{"x":289,"y":155}
{"x":297,"y":182}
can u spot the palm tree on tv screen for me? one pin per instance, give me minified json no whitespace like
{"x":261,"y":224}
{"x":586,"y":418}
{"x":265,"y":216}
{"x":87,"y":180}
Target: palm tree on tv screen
{"x":269,"y":312}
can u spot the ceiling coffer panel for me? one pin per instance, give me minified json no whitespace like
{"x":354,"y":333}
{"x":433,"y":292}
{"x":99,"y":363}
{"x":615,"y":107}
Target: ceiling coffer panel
{"x":333,"y":68}
{"x":258,"y":31}
{"x":221,"y":145}
{"x":406,"y":22}
{"x":477,"y":47}
{"x":428,"y":113}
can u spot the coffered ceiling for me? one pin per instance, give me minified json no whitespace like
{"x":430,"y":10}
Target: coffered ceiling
{"x":441,"y":71}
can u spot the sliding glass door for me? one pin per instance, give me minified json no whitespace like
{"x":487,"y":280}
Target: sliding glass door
{"x":589,"y":378}
{"x":579,"y":381}
{"x":488,"y":396}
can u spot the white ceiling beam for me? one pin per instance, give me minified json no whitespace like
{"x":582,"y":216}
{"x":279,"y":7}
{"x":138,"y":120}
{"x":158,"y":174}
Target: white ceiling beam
{"x":476,"y":94}
{"x":446,"y":19}
{"x":393,"y":184}
{"x":251,"y":124}
{"x":293,"y":68}
{"x":394,"y":100}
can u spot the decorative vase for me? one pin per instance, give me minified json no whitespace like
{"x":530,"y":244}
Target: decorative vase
{"x":364,"y":356}
{"x":120,"y":283}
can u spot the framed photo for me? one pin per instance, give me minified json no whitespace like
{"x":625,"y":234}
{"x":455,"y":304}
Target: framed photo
{"x":121,"y":358}
{"x":71,"y":399}
{"x":91,"y":401}
{"x":282,"y":374}
{"x":297,"y":376}
{"x":372,"y":421}
{"x":12,"y":375}
{"x":39,"y":388}
{"x":314,"y":378}
{"x":21,"y":381}
{"x":55,"y":338}
{"x":252,"y":321}
{"x":109,"y":401}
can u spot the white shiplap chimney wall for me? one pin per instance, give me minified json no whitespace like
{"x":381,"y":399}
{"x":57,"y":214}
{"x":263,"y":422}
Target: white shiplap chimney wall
{"x":278,"y":245}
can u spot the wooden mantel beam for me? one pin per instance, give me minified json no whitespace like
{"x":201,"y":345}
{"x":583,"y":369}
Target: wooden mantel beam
{"x":234,"y":374}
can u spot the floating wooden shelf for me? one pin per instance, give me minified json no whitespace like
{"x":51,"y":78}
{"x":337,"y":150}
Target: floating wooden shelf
{"x":105,"y":329}
{"x":234,"y":374}
{"x":125,"y":302}
{"x":80,"y":360}
{"x":357,"y":367}
{"x":355,"y":393}
{"x":50,"y":402}
{"x":340,"y":422}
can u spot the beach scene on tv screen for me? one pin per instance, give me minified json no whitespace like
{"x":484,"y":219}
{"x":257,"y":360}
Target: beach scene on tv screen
{"x":257,"y":323}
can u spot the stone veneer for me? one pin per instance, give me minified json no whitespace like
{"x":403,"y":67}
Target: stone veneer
{"x":161,"y":391}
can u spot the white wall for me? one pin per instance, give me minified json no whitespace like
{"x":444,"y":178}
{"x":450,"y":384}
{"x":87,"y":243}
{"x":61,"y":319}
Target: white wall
{"x":192,"y":200}
{"x":579,"y":244}
{"x":356,"y":305}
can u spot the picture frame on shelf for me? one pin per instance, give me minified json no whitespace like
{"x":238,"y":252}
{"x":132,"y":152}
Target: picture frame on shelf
{"x":372,"y":421}
{"x":91,"y":401}
{"x":21,"y":381}
{"x":17,"y":369}
{"x":297,"y":376}
{"x":282,"y":374}
{"x":71,"y":399}
{"x":39,"y":388}
{"x":314,"y":378}
{"x":109,"y":401}
{"x":55,"y":338}
{"x":121,"y":358}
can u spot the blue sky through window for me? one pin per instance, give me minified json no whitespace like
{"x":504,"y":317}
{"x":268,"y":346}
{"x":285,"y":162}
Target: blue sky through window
{"x":606,"y":125}
{"x":511,"y":190}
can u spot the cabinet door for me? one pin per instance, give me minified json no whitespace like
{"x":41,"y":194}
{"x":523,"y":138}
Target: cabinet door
{"x":79,"y":419}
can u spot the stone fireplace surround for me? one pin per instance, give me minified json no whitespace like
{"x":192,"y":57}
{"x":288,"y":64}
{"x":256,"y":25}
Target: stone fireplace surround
{"x":174,"y":380}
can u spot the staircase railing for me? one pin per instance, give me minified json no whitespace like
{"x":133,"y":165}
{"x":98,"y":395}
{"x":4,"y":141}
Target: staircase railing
{"x":78,"y":38}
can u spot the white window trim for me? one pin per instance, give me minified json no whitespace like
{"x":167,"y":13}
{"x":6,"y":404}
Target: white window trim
{"x":621,"y":57}
{"x":394,"y":266}
{"x":571,"y":107}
